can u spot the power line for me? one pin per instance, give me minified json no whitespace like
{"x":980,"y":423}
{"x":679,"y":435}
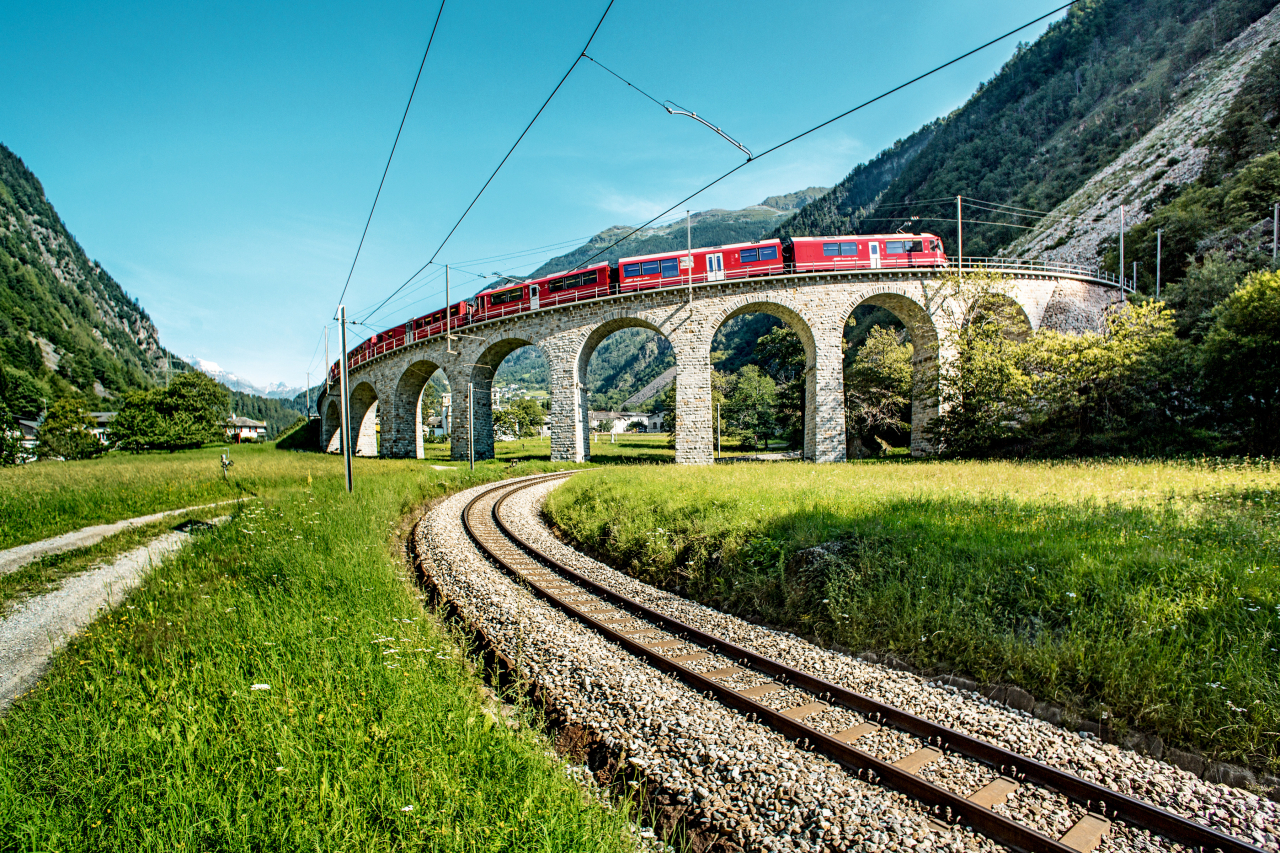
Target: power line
{"x":625,"y":80}
{"x":527,"y":128}
{"x":387,"y":168}
{"x":848,"y":112}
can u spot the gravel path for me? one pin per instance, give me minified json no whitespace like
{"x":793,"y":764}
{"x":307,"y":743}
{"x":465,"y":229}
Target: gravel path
{"x":34,"y":629}
{"x":1231,"y":810}
{"x":15,"y":558}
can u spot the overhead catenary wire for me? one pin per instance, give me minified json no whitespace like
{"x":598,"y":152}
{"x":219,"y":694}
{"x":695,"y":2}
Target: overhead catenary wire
{"x":507,"y":156}
{"x":836,"y":118}
{"x":394,"y":144}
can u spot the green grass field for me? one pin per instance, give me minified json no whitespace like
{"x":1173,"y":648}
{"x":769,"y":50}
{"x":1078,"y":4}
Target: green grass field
{"x":43,"y":499}
{"x":1148,"y":592}
{"x":149,"y":733}
{"x":623,"y":449}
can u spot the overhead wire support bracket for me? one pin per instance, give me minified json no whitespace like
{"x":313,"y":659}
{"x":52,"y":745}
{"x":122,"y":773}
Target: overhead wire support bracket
{"x":680,"y":111}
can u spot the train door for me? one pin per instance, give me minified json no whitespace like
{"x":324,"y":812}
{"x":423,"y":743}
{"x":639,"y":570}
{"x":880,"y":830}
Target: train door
{"x":715,"y":267}
{"x":875,"y":255}
{"x":533,"y":297}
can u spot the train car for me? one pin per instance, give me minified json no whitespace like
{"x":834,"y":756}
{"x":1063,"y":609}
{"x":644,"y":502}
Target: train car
{"x":715,"y":263}
{"x":866,"y":251}
{"x":570,"y":286}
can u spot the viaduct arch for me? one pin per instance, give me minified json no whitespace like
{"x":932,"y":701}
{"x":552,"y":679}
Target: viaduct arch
{"x":386,"y":389}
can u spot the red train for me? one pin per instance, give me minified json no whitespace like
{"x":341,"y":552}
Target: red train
{"x":667,"y":269}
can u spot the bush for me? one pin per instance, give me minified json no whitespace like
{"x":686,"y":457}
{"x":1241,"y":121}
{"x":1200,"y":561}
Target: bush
{"x":1241,"y":359}
{"x":65,"y":433}
{"x":190,"y":412}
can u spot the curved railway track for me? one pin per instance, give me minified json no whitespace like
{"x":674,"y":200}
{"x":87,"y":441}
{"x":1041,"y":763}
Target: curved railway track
{"x":717,"y":668}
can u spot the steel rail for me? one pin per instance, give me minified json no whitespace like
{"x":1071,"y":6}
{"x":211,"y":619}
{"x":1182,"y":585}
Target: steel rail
{"x":943,"y":803}
{"x":1096,"y":798}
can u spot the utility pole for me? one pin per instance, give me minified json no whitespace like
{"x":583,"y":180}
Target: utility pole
{"x":1135,"y":277}
{"x":308,"y":395}
{"x":346,"y":397}
{"x":471,"y":419}
{"x":1159,"y":234}
{"x":688,"y":235}
{"x":959,"y":237}
{"x":448,"y":314}
{"x":1122,"y":251}
{"x":326,"y":359}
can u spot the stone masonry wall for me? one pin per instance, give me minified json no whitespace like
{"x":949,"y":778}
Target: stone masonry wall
{"x":816,"y":306}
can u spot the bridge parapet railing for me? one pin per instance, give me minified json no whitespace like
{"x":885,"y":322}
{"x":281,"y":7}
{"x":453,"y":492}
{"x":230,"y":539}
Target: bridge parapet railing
{"x":585,"y":294}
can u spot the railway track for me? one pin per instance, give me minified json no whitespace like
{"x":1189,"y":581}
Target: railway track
{"x":803,"y":708}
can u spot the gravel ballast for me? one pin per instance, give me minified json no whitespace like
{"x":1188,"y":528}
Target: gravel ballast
{"x":754,"y":786}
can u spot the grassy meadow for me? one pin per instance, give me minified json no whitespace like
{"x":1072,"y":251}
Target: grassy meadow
{"x":44,"y":499}
{"x":277,"y":685}
{"x":1143,"y":593}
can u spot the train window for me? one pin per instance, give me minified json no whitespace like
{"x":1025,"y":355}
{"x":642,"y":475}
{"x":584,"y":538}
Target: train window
{"x":630,"y":269}
{"x":895,"y":247}
{"x":848,"y":248}
{"x":453,"y":311}
{"x":768,"y":253}
{"x":830,"y":249}
{"x":914,"y":245}
{"x":590,"y":278}
{"x":670,"y":267}
{"x":572,"y":280}
{"x":556,"y":286}
{"x":649,"y":267}
{"x":935,"y":246}
{"x":506,"y":296}
{"x":748,"y":255}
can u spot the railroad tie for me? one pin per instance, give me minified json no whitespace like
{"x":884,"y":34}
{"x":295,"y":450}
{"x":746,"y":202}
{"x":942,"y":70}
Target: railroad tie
{"x":640,"y":633}
{"x":994,"y":792}
{"x":664,"y":644}
{"x":921,"y":758}
{"x":724,"y":672}
{"x":799,"y":713}
{"x":860,"y":730}
{"x":761,"y":690}
{"x":690,"y":658}
{"x":1087,"y":833}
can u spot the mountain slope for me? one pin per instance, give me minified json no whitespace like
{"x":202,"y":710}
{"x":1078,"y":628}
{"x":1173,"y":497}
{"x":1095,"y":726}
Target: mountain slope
{"x":708,"y":228}
{"x":1060,"y":110}
{"x":1172,"y":154}
{"x":66,"y":326}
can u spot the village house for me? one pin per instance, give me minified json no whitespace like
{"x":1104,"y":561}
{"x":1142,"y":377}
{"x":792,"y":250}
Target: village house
{"x":241,"y":430}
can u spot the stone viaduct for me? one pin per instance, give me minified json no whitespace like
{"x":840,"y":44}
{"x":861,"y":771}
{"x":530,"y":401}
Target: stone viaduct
{"x":816,"y":305}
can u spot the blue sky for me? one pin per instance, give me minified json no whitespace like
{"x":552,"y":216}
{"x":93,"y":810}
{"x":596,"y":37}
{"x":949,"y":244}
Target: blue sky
{"x":220,"y":160}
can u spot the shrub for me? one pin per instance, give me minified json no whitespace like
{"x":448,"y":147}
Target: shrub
{"x":190,"y":412}
{"x":65,"y":433}
{"x":1241,"y":358}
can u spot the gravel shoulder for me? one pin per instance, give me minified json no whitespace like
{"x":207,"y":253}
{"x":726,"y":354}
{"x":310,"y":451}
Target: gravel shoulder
{"x":34,"y":629}
{"x":15,"y":558}
{"x":1232,"y":810}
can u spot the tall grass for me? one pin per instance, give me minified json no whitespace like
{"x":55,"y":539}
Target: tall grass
{"x":44,"y":499}
{"x":1147,"y":594}
{"x":149,"y":733}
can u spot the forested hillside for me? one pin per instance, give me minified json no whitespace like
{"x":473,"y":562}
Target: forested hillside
{"x":66,"y":327}
{"x":1060,"y":110}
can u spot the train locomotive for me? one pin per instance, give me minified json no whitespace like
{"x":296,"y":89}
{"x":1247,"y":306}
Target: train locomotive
{"x":783,"y":256}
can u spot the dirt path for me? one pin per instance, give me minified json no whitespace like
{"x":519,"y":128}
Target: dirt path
{"x":15,"y":558}
{"x":34,"y":629}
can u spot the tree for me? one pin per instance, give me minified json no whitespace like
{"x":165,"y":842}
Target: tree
{"x":878,"y":390}
{"x":10,"y":438}
{"x":505,"y":423}
{"x":190,"y":412}
{"x":65,"y":433}
{"x":528,"y":416}
{"x":781,"y":354}
{"x":751,"y":407}
{"x":1241,"y":357}
{"x":983,"y":389}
